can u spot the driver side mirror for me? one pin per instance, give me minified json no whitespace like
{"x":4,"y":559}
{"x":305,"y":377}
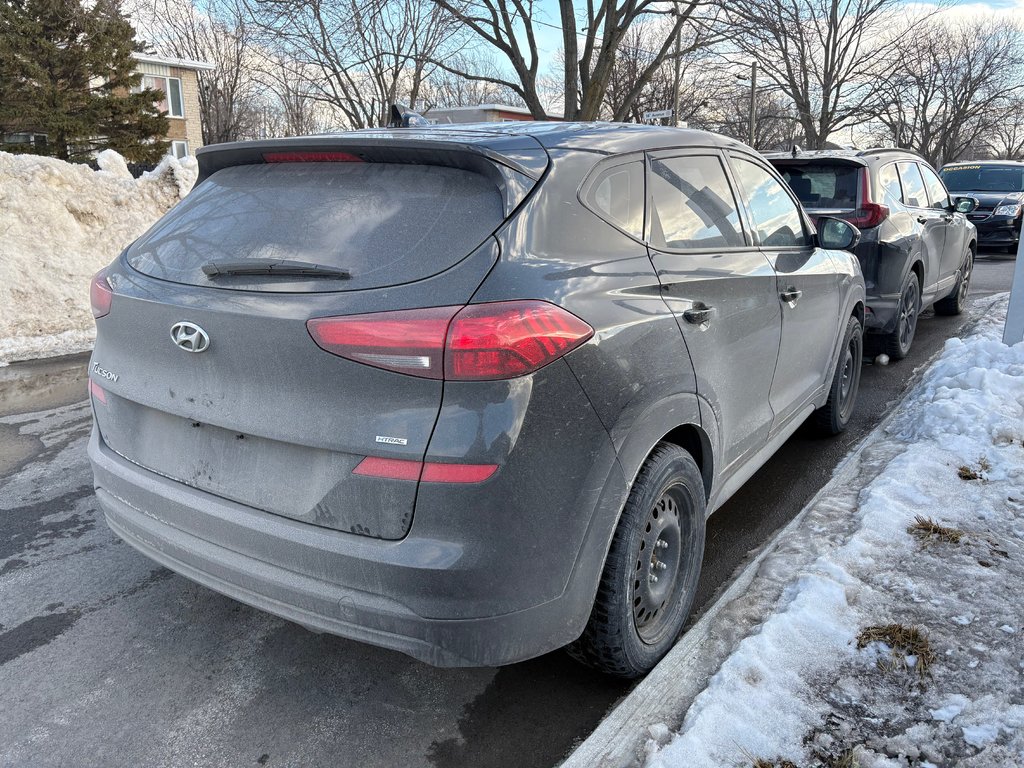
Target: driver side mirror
{"x":966,"y":204}
{"x":837,"y":235}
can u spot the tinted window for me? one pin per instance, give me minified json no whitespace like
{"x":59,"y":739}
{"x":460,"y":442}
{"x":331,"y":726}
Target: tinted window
{"x":384,"y":223}
{"x":693,"y":204}
{"x":984,"y":178}
{"x":823,"y":186}
{"x":937,"y":195}
{"x":889,"y":185}
{"x":914,"y":193}
{"x":776,"y":217}
{"x":617,"y":195}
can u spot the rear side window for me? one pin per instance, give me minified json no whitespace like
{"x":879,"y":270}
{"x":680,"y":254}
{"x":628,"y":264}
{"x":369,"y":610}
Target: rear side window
{"x":889,"y":185}
{"x":616,"y":194}
{"x":776,"y":217}
{"x":914,"y":193}
{"x":694,"y":207}
{"x":824,"y":186}
{"x":384,"y":223}
{"x":937,"y":195}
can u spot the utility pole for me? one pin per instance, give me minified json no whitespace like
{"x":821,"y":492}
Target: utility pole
{"x":675,"y":83}
{"x":753,"y":103}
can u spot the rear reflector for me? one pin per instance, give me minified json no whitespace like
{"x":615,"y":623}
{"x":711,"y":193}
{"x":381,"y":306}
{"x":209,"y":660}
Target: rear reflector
{"x":97,"y":391}
{"x":500,"y":340}
{"x":100,"y":295}
{"x":427,"y":472}
{"x":311,"y":157}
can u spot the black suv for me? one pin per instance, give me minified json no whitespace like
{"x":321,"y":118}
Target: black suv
{"x":999,"y":187}
{"x":917,"y":246}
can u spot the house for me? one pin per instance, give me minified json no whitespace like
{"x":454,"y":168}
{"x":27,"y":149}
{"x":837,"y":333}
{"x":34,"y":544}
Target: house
{"x":178,"y":79}
{"x":483,"y":113}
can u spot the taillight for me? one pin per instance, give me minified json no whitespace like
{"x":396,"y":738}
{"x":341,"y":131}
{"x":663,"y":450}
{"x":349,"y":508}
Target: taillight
{"x":100,"y":295}
{"x":311,"y":157}
{"x":870,"y":214}
{"x":477,"y":342}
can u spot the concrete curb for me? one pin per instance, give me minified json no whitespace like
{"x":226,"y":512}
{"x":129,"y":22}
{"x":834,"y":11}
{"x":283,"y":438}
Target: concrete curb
{"x":667,"y":692}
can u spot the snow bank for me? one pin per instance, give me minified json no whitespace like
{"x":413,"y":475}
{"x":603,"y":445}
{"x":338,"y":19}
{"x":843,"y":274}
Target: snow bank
{"x":59,"y":224}
{"x":798,"y":688}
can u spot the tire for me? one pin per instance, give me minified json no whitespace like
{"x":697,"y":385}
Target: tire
{"x":956,"y":302}
{"x":898,"y":342}
{"x":832,"y":418}
{"x":636,"y":619}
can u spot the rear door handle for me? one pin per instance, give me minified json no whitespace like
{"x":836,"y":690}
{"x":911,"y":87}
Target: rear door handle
{"x":698,"y":314}
{"x":791,"y":296}
{"x":922,"y":219}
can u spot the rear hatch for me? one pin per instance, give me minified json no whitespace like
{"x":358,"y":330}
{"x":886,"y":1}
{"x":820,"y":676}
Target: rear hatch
{"x":825,"y":187}
{"x":262,"y":415}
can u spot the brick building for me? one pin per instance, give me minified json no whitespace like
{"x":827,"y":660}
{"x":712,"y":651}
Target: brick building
{"x":178,"y":79}
{"x":483,"y":113}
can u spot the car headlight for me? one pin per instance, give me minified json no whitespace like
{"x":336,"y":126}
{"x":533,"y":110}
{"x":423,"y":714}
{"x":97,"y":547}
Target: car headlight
{"x":1013,"y":209}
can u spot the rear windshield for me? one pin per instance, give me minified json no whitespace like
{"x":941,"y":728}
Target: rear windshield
{"x":983,"y":178}
{"x":823,"y":186}
{"x":383,"y":223}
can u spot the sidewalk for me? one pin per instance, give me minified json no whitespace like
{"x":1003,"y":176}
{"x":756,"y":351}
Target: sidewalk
{"x":861,"y":635}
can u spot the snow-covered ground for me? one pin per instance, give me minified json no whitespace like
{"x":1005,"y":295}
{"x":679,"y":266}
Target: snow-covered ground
{"x":59,"y":224}
{"x":801,"y":688}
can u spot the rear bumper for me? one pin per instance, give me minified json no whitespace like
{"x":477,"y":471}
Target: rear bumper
{"x":305,"y":574}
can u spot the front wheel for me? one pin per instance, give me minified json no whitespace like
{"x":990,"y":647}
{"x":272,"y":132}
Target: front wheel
{"x":955,"y":303}
{"x":832,"y":418}
{"x":650,"y":576}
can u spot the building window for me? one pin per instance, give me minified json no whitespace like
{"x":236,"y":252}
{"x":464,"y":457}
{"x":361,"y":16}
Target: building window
{"x":172,"y":103}
{"x":179,"y":149}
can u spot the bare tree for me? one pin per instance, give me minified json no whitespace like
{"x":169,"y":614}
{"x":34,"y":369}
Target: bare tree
{"x":953,"y":88}
{"x":825,"y":55}
{"x":367,"y":55}
{"x":1006,"y":139}
{"x":592,"y":39}
{"x":218,"y":35}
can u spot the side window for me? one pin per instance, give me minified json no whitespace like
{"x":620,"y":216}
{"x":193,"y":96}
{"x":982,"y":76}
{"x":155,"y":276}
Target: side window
{"x":914,"y":193}
{"x":616,"y":194}
{"x":694,"y":207}
{"x":889,"y":185}
{"x":776,"y":217}
{"x":938,"y":197}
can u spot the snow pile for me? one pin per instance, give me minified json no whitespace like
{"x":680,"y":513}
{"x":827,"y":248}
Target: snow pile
{"x":800,"y":689}
{"x":59,"y":224}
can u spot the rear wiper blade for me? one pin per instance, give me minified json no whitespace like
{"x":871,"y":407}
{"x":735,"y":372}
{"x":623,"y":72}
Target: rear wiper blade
{"x":282,"y":267}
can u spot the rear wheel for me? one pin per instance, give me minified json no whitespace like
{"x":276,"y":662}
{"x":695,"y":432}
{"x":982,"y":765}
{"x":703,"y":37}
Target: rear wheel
{"x":956,"y":301}
{"x":650,"y":577}
{"x":833,"y":417}
{"x":897,"y":343}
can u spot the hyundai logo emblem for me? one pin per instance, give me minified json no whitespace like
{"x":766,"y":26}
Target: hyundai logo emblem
{"x":190,"y":337}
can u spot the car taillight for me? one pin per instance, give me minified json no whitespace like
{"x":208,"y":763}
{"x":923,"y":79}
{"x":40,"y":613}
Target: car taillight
{"x":870,"y":214}
{"x":311,"y":157}
{"x":477,"y":342}
{"x":100,"y":295}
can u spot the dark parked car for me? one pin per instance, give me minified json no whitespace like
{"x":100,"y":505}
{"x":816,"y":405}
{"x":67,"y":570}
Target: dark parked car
{"x":467,"y":393}
{"x":917,"y":246}
{"x":999,"y":187}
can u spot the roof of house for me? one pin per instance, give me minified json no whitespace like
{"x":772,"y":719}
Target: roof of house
{"x":170,"y":61}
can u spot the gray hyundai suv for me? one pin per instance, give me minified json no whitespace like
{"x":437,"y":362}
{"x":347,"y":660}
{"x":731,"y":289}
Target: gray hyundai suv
{"x":469,"y":392}
{"x":917,"y":247}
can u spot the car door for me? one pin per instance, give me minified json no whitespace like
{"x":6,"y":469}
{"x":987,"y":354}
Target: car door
{"x":808,"y":287}
{"x":931,"y":221}
{"x":955,"y":229}
{"x":721,"y":289}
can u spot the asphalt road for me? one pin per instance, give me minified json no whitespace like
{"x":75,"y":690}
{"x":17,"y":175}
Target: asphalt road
{"x":108,"y":659}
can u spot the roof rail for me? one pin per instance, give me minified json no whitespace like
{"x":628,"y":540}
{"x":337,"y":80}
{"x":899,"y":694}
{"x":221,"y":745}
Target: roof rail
{"x":880,"y":150}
